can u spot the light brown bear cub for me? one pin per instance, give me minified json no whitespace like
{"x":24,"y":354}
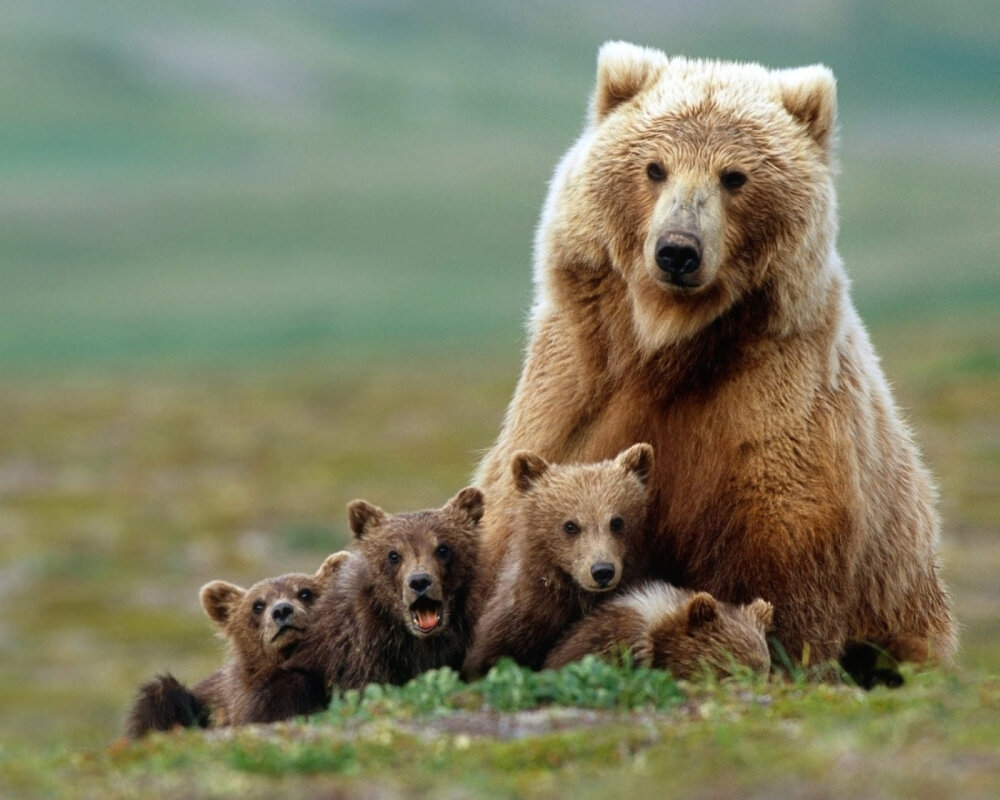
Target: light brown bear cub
{"x":264,"y":626}
{"x":664,"y":627}
{"x":400,"y":605}
{"x":578,"y":534}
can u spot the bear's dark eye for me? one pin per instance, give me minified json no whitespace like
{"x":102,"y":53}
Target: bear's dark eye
{"x":733,"y":179}
{"x":393,"y":557}
{"x":571,"y":528}
{"x":443,"y":552}
{"x":617,"y":525}
{"x":656,"y":172}
{"x":258,"y":607}
{"x":305,"y":595}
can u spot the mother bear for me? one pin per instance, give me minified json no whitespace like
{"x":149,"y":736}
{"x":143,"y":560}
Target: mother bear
{"x":688,"y":294}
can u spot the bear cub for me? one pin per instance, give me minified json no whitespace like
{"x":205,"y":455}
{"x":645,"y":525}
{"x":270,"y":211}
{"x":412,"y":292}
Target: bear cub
{"x":578,"y":534}
{"x":401,"y":602}
{"x":663,"y":627}
{"x":264,"y":626}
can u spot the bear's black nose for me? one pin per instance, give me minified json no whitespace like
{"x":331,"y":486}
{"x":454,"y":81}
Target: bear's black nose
{"x":420,"y":582}
{"x":282,"y":611}
{"x":678,"y":254}
{"x":603,"y":572}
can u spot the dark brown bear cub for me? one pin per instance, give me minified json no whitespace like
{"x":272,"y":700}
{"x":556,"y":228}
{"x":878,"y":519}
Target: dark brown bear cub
{"x":578,"y":533}
{"x":661,"y":626}
{"x":264,"y":626}
{"x":401,"y":602}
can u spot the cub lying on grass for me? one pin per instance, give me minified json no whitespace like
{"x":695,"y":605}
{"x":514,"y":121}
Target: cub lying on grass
{"x":264,"y":626}
{"x":664,"y":627}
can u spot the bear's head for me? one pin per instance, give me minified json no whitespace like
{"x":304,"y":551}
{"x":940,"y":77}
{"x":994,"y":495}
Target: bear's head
{"x":703,"y":184}
{"x":708,"y":634}
{"x":265,"y":623}
{"x":584,"y":519}
{"x":421,"y":562}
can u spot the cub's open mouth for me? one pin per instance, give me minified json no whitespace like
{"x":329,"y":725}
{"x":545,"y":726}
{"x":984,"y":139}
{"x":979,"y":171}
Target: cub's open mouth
{"x":426,"y":614}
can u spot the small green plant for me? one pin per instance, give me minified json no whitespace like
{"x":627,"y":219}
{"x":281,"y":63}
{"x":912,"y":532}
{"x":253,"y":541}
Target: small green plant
{"x":590,"y":683}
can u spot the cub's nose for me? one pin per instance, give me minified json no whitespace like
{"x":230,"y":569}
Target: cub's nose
{"x":603,"y":573}
{"x":420,"y":582}
{"x":282,"y":611}
{"x":678,"y":254}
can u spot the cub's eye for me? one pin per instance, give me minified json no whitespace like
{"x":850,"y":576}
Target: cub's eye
{"x":443,"y":551}
{"x":305,"y":595}
{"x":733,"y":179}
{"x":258,"y":607}
{"x":393,"y":557}
{"x":571,"y":528}
{"x":655,"y":172}
{"x":617,"y":525}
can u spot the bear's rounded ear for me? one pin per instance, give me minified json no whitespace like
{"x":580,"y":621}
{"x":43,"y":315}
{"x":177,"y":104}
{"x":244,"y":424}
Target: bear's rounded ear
{"x":763,"y":612}
{"x":623,"y":70}
{"x":363,"y":516}
{"x":219,"y":599}
{"x":331,"y":565}
{"x":467,"y":505}
{"x":638,"y":459}
{"x":701,"y":610}
{"x":527,"y":467}
{"x":809,"y":94}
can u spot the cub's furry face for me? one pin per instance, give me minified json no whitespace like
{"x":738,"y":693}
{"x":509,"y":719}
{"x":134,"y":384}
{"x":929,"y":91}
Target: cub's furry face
{"x":420,"y":561}
{"x":265,"y":623}
{"x":583,"y":519}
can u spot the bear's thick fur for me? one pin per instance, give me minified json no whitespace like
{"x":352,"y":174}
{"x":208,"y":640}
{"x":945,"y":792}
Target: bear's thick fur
{"x":688,"y":294}
{"x":578,"y":532}
{"x":400,"y":605}
{"x":663,"y":627}
{"x":263,"y":626}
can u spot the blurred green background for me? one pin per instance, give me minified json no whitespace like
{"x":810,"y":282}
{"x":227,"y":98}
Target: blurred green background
{"x":258,"y":258}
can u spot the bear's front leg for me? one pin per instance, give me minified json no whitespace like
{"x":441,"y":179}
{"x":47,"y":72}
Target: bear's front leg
{"x":519,"y":621}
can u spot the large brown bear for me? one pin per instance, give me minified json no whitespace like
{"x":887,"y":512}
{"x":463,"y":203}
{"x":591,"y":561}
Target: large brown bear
{"x":688,"y":294}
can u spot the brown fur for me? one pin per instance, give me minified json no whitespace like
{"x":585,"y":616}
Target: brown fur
{"x":370,"y":628}
{"x":784,"y":470}
{"x":263,"y":626}
{"x":658,"y":625}
{"x":572,"y":522}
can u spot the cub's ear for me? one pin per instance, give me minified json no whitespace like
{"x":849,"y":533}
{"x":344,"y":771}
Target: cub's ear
{"x":809,"y":94}
{"x":701,"y":610}
{"x":219,"y":599}
{"x":763,"y":612}
{"x":527,"y":468}
{"x":331,"y":566}
{"x":623,"y":70}
{"x":363,"y":516}
{"x":638,"y":459}
{"x":467,"y":506}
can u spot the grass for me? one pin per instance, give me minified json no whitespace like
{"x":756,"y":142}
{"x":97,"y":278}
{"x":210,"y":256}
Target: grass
{"x":584,"y":732}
